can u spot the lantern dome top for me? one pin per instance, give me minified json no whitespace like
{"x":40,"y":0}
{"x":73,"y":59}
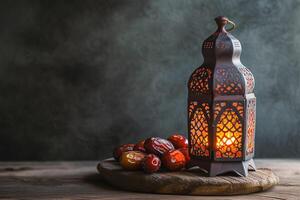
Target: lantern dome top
{"x":222,"y":72}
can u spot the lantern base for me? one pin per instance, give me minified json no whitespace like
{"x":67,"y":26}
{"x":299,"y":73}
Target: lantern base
{"x":215,"y":168}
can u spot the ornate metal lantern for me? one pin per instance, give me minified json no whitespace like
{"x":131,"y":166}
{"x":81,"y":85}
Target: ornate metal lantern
{"x":221,"y":107}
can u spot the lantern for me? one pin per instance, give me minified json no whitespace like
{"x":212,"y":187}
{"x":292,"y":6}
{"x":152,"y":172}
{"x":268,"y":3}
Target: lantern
{"x":221,"y":107}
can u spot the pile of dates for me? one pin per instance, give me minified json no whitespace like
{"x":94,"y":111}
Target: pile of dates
{"x":154,"y":153}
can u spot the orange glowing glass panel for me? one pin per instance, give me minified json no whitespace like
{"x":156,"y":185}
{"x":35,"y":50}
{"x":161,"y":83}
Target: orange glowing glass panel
{"x":229,"y":131}
{"x":199,"y":129}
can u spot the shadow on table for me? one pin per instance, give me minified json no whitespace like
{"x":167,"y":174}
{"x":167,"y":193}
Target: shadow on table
{"x":97,"y":180}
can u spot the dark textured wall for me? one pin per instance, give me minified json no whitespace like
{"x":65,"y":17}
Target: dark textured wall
{"x":78,"y":77}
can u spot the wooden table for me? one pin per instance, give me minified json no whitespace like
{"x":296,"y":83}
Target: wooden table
{"x":80,"y":180}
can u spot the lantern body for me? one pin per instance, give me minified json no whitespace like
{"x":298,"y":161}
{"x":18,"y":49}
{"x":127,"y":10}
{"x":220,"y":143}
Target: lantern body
{"x":221,"y":107}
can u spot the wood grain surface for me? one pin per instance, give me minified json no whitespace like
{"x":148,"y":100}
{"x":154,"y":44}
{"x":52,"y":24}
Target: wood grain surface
{"x":80,"y":180}
{"x":189,"y":182}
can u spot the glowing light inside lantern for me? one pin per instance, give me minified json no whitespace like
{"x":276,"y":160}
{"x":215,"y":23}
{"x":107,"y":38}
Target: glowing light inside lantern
{"x":226,"y":140}
{"x":229,"y":132}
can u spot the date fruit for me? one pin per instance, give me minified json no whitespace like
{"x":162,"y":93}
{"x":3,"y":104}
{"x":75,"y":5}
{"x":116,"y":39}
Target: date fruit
{"x":173,"y":160}
{"x":139,"y":146}
{"x":151,"y":163}
{"x":186,"y":154}
{"x":179,"y":141}
{"x":157,"y":146}
{"x":123,"y":148}
{"x":132,"y":160}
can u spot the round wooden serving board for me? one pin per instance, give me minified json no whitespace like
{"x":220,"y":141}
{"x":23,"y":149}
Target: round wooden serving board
{"x":189,"y":182}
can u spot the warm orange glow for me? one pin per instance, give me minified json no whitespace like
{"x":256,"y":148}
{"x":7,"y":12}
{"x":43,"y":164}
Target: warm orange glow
{"x":225,"y":141}
{"x":228,"y":132}
{"x":228,"y":129}
{"x":199,"y":129}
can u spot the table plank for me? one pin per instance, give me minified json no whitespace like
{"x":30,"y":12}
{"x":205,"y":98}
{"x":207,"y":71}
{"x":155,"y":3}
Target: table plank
{"x":80,"y":180}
